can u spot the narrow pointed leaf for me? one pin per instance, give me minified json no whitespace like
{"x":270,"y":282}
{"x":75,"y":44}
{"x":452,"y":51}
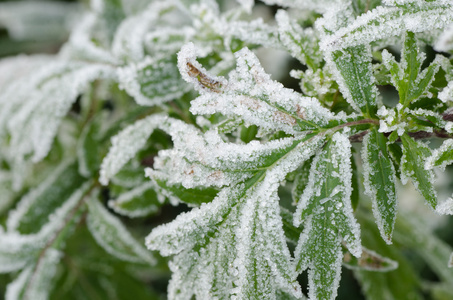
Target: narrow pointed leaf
{"x":388,"y":21}
{"x":380,"y":180}
{"x":34,"y":208}
{"x":152,"y":81}
{"x":325,"y":207}
{"x":413,"y":166}
{"x":88,"y":149}
{"x":111,"y":235}
{"x":138,"y":202}
{"x":441,"y":157}
{"x":36,"y":281}
{"x":355,"y":77}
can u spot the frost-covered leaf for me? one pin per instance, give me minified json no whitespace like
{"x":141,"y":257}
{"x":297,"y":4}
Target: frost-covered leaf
{"x":353,"y":71}
{"x":36,"y":105}
{"x":234,"y":245}
{"x":406,"y":76}
{"x":380,"y":180}
{"x":325,"y":207}
{"x":251,"y":95}
{"x":88,"y":148}
{"x":17,"y":251}
{"x":255,"y":32}
{"x":369,"y":261}
{"x":413,"y":161}
{"x":34,"y":209}
{"x":316,"y":5}
{"x":138,"y":202}
{"x":35,"y":281}
{"x":176,"y":191}
{"x":388,"y":21}
{"x":152,"y":81}
{"x":441,"y":157}
{"x":126,"y":144}
{"x":301,"y":43}
{"x":110,"y":234}
{"x":38,"y":20}
{"x":445,"y":207}
{"x":128,"y":43}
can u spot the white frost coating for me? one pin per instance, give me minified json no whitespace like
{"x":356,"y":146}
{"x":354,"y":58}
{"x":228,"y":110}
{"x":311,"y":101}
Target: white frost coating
{"x":247,"y":5}
{"x":126,"y":144}
{"x":38,"y":106}
{"x":35,"y":282}
{"x":129,"y":196}
{"x":193,"y":72}
{"x":262,"y":204}
{"x":255,"y":32}
{"x":446,"y":207}
{"x":16,"y":215}
{"x":232,"y":217}
{"x":323,"y":255}
{"x":371,"y":189}
{"x":81,"y":45}
{"x":190,"y":228}
{"x":447,"y":147}
{"x":445,"y":41}
{"x":320,"y":6}
{"x":128,"y":43}
{"x":157,"y":75}
{"x":391,"y":21}
{"x":301,"y":43}
{"x":113,"y":237}
{"x":446,"y":95}
{"x":17,"y":250}
{"x":251,"y":95}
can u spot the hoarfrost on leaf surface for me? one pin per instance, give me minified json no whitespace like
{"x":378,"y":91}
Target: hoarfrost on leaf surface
{"x":325,"y":206}
{"x":388,"y":21}
{"x":235,"y":240}
{"x":380,"y":180}
{"x":36,"y":281}
{"x":111,"y":234}
{"x":251,"y":95}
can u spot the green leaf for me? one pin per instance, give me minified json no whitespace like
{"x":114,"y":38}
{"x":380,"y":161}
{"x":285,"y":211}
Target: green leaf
{"x":251,"y":95}
{"x":301,"y":181}
{"x":380,"y":181}
{"x":111,"y":235}
{"x":88,"y":148}
{"x":389,"y":21}
{"x":406,"y":76}
{"x":238,"y":238}
{"x":325,"y":207}
{"x":34,"y":208}
{"x":36,"y":281}
{"x":413,"y":166}
{"x":18,"y":251}
{"x":138,"y":202}
{"x":441,"y":157}
{"x":302,"y":44}
{"x":153,"y":81}
{"x":355,"y":77}
{"x":195,"y":196}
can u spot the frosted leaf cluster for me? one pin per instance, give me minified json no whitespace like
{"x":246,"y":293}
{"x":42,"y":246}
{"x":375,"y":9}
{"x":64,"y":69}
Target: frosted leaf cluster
{"x":159,"y":102}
